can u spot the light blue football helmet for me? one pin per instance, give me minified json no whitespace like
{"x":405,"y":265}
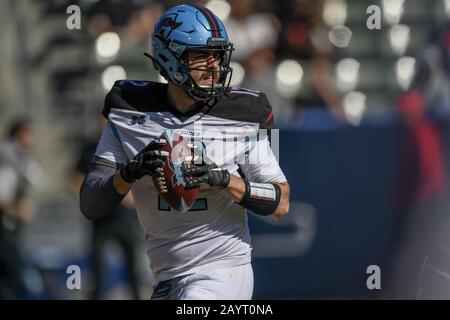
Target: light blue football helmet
{"x":184,"y":28}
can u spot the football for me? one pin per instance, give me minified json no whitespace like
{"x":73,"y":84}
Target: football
{"x":171,"y":186}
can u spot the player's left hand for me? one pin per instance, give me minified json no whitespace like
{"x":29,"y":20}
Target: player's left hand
{"x":211,"y":174}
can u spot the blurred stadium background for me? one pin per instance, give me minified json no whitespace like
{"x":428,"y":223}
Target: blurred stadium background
{"x":364,"y":136}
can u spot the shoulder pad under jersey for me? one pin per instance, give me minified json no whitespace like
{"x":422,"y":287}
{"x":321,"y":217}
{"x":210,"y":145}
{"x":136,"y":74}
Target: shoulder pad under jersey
{"x":244,"y":105}
{"x":135,"y":95}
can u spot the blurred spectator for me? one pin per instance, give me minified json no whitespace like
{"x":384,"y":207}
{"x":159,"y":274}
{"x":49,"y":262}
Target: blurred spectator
{"x":117,"y":12}
{"x":133,"y":20}
{"x":418,"y":195}
{"x":260,"y":75}
{"x":304,"y":37}
{"x":250,"y":30}
{"x":422,"y":199}
{"x":301,"y":17}
{"x":427,"y":101}
{"x":18,"y":171}
{"x":140,"y":24}
{"x":432,"y":74}
{"x":254,"y":35}
{"x":120,"y":226}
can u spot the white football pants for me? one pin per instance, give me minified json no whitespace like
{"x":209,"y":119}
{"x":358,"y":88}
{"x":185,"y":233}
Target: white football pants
{"x":210,"y":283}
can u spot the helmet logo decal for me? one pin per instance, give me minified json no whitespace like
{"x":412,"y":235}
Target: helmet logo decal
{"x":168,"y":24}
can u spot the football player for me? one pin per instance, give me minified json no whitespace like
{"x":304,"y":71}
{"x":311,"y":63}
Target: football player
{"x":204,"y":253}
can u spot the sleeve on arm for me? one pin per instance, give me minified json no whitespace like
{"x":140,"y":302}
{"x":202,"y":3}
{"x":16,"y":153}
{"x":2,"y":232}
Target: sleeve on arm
{"x":98,"y":196}
{"x":261,"y":164}
{"x":110,"y":147}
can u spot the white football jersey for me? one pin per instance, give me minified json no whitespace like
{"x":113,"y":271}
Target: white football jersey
{"x":215,"y":229}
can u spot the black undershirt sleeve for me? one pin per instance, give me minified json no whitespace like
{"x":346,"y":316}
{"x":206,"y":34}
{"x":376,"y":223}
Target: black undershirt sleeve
{"x":98,"y":196}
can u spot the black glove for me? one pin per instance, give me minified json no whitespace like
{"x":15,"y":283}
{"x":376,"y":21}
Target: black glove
{"x":208,"y":173}
{"x":148,"y":162}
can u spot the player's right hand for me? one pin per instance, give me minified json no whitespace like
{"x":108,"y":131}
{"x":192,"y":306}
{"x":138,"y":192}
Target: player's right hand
{"x":148,"y":162}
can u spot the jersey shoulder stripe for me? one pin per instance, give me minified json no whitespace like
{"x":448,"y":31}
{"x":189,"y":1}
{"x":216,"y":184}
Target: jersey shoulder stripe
{"x":238,"y":90}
